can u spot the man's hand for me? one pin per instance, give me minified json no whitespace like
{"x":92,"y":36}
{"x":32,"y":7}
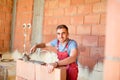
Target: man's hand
{"x":33,"y":49}
{"x":51,"y":66}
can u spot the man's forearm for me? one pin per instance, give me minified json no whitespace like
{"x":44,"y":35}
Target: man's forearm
{"x":41,"y":45}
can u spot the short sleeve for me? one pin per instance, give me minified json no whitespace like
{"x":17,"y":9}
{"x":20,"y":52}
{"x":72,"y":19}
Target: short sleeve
{"x":53,"y":42}
{"x":72,"y":45}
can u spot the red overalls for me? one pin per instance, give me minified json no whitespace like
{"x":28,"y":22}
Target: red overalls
{"x":72,"y":69}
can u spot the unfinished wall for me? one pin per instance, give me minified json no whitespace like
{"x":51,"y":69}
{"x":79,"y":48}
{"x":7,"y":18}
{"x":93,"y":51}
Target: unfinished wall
{"x":5,"y":24}
{"x":86,"y":22}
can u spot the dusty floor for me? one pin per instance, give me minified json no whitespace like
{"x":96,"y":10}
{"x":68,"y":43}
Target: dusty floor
{"x":11,"y":67}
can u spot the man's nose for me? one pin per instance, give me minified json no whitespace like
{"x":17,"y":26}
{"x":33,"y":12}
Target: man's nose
{"x":61,"y":35}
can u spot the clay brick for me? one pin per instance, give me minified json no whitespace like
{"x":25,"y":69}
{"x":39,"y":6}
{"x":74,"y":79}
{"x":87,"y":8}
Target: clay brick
{"x":25,"y":70}
{"x":2,"y":17}
{"x":84,"y":51}
{"x":103,"y":19}
{"x":5,"y":36}
{"x":77,"y":38}
{"x":70,"y":11}
{"x":84,"y":29}
{"x":90,"y":41}
{"x":1,"y":36}
{"x":46,"y":4}
{"x":27,"y":18}
{"x":1,"y":43}
{"x":1,"y":8}
{"x":1,"y":29}
{"x":57,"y":74}
{"x":101,"y":41}
{"x":9,"y":3}
{"x":77,"y":20}
{"x":53,"y":4}
{"x":4,"y":49}
{"x":92,"y":1}
{"x":48,"y":38}
{"x":80,"y":59}
{"x":98,"y":29}
{"x":64,"y":20}
{"x":64,"y":3}
{"x":59,"y":12}
{"x":77,"y":2}
{"x":19,"y":67}
{"x":6,"y":43}
{"x":54,"y":30}
{"x":88,"y":62}
{"x":97,"y":52}
{"x":47,"y":30}
{"x":103,"y":0}
{"x":50,"y":21}
{"x":21,"y":39}
{"x":3,"y":1}
{"x":92,"y":19}
{"x":72,"y":29}
{"x":48,"y":12}
{"x":28,"y":7}
{"x":85,"y":9}
{"x":7,"y":9}
{"x":99,"y":7}
{"x":7,"y":29}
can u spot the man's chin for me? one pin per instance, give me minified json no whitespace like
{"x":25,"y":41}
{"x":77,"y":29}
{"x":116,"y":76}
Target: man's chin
{"x":62,"y":41}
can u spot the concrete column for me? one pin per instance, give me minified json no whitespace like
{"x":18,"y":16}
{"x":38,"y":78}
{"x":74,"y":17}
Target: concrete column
{"x":112,"y":49}
{"x":37,"y":21}
{"x":13,"y":25}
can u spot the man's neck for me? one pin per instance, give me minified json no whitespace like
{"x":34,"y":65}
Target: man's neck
{"x":63,"y":43}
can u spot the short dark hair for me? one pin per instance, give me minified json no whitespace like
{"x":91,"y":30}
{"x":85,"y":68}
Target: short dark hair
{"x":62,"y":26}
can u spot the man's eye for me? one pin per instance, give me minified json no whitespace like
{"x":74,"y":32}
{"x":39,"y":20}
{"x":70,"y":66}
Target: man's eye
{"x":63,"y":32}
{"x":58,"y":33}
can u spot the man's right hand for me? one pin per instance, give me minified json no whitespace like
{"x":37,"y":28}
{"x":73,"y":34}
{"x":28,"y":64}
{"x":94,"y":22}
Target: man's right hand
{"x":33,"y":49}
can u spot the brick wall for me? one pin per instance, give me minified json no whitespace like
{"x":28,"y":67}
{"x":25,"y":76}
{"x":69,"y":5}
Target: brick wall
{"x":86,"y":22}
{"x":24,"y":13}
{"x":85,"y":18}
{"x":5,"y":24}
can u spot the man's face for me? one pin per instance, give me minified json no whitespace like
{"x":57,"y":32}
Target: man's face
{"x":62,"y":35}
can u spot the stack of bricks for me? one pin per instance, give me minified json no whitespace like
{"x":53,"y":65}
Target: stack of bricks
{"x":34,"y":71}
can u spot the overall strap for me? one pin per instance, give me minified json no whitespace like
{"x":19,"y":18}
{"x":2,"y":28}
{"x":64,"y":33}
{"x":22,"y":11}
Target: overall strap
{"x":66,"y":46}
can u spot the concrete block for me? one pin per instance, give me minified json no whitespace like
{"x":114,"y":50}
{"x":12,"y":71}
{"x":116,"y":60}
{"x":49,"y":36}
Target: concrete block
{"x":34,"y":71}
{"x":25,"y":70}
{"x":57,"y":74}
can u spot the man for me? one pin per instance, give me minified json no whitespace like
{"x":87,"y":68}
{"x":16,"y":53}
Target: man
{"x":66,"y":50}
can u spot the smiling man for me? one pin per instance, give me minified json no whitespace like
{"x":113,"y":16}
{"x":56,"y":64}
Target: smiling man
{"x":67,"y":51}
